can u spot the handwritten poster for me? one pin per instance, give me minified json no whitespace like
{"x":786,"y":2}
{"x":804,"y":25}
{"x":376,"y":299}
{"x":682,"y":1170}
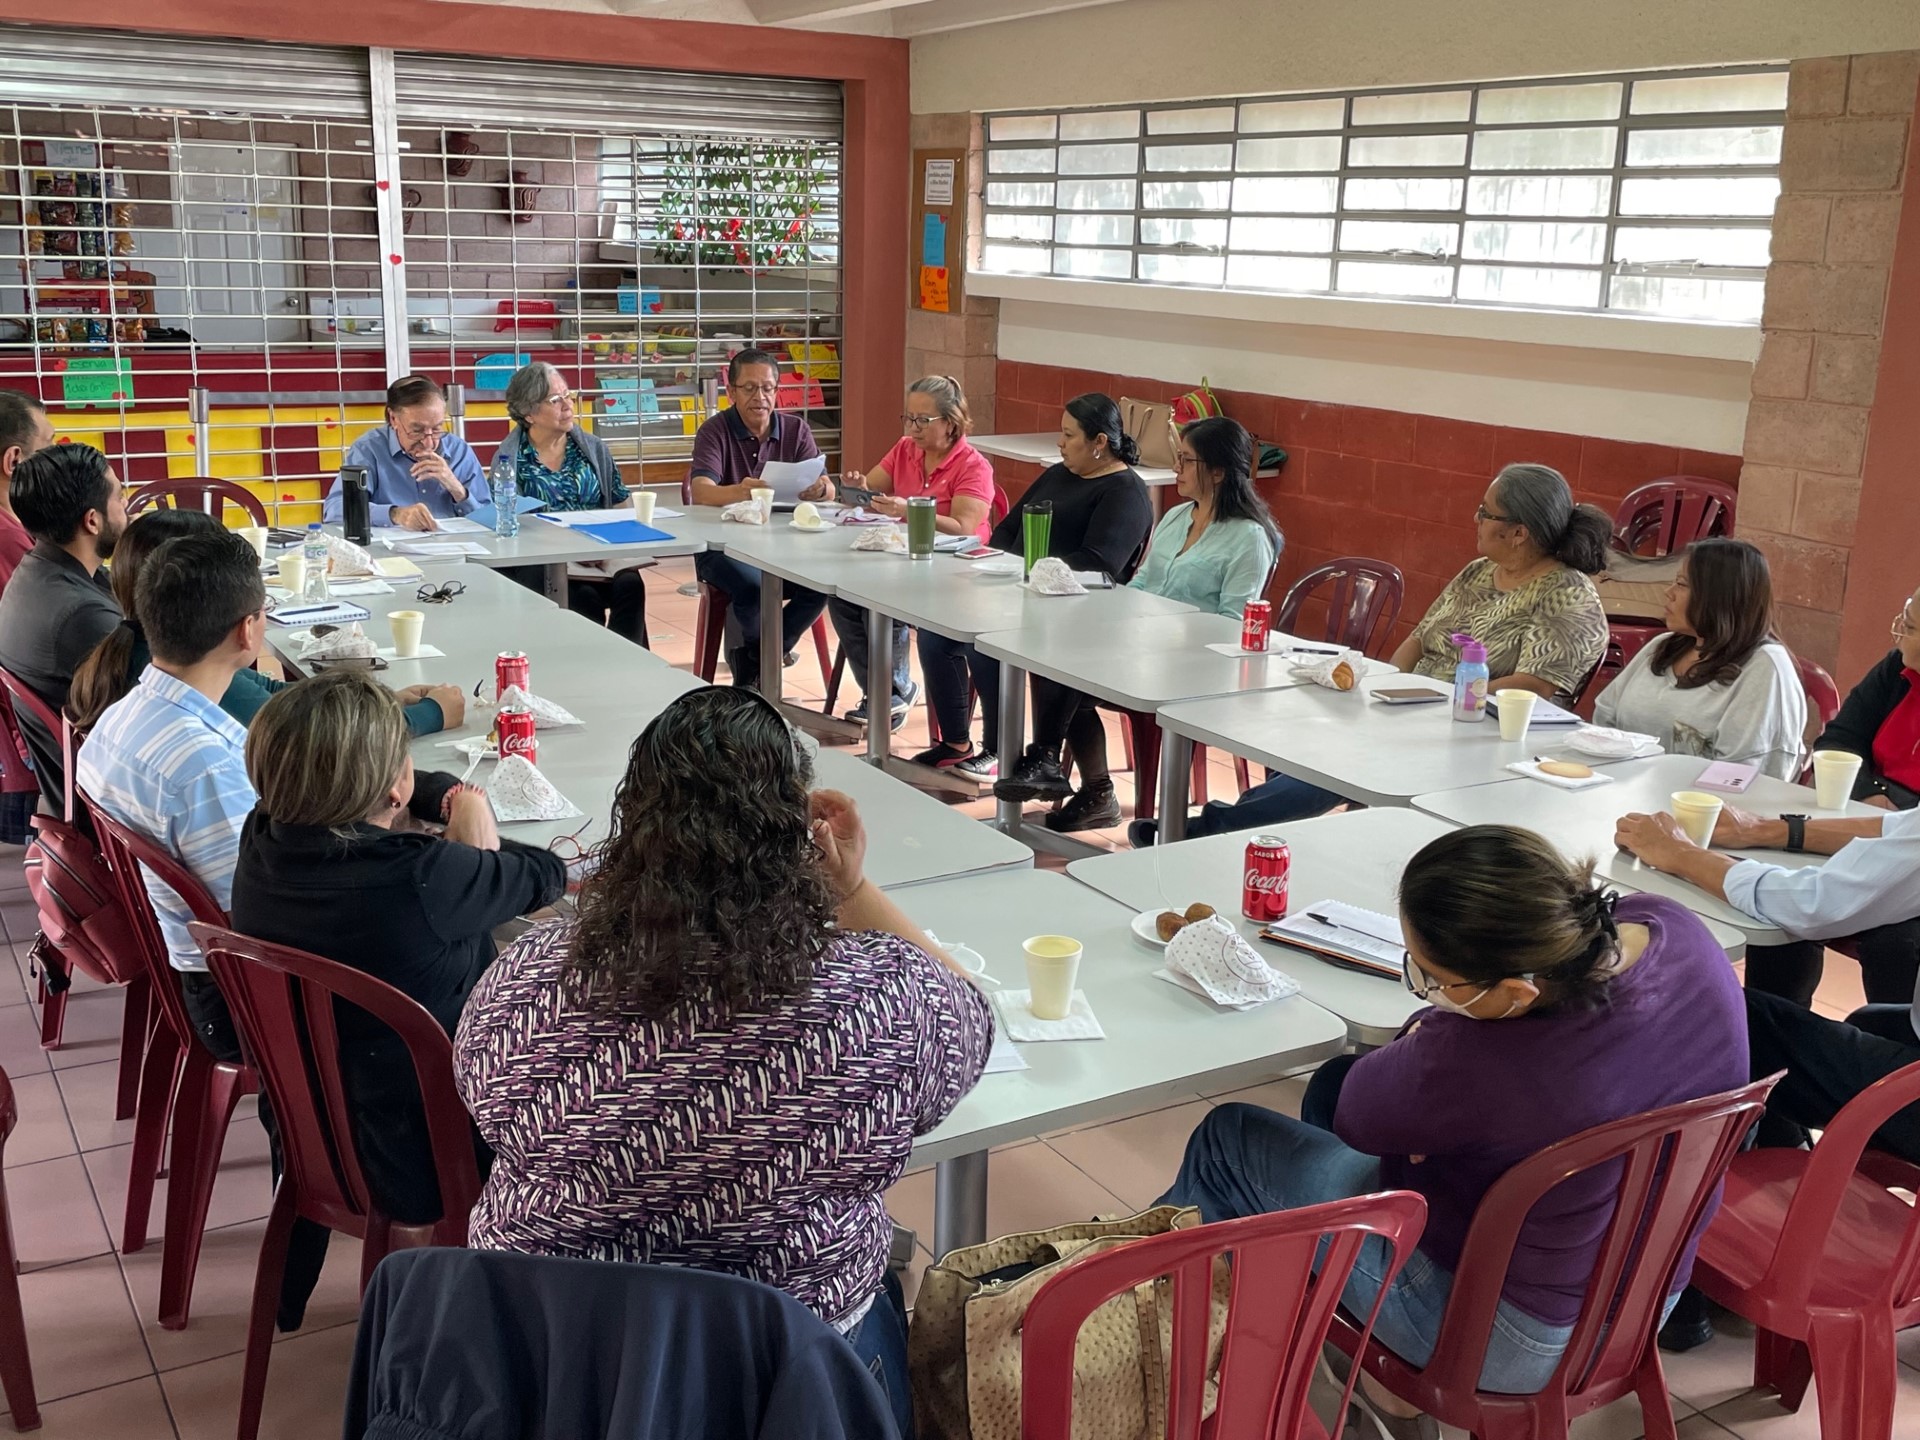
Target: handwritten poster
{"x":933,"y":288}
{"x":933,"y":240}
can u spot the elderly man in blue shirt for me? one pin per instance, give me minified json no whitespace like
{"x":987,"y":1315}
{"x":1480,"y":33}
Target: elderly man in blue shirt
{"x":418,"y":473}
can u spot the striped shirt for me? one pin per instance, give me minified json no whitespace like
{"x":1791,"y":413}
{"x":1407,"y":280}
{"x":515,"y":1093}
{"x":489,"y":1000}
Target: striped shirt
{"x":169,"y":763}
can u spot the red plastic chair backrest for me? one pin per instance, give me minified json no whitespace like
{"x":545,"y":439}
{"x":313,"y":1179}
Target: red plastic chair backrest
{"x":1000,"y":506}
{"x":201,"y":493}
{"x":1278,"y":1314}
{"x":1823,"y":1185}
{"x":9,"y":1112}
{"x":1671,"y":1163}
{"x":1823,"y":696}
{"x":1663,"y":516}
{"x":282,"y":1005}
{"x":1364,"y":601}
{"x":56,"y":726}
{"x":127,"y":852}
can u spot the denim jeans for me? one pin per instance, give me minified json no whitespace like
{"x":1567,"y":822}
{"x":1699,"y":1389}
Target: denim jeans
{"x":850,"y":624}
{"x":1275,"y":801}
{"x":880,"y":1340}
{"x":1244,"y":1160}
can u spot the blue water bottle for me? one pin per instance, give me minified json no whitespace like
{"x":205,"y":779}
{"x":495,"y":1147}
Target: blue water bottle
{"x":1470,"y":679}
{"x":505,"y":485}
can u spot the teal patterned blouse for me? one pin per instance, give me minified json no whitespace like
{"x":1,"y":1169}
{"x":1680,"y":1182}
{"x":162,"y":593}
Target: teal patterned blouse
{"x":574,"y":486}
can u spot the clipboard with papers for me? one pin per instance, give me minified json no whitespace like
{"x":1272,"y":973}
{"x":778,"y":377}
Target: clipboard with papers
{"x":1343,"y":935}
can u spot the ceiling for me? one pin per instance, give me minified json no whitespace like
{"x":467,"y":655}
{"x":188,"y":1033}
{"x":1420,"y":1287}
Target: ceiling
{"x":903,"y":19}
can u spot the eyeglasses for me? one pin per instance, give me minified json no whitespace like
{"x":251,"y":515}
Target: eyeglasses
{"x":754,"y":389}
{"x":1482,"y":513}
{"x":565,"y":397}
{"x":439,"y":594}
{"x":1903,"y":626}
{"x":417,"y":432}
{"x":1423,"y":988}
{"x":1183,"y":459}
{"x":568,"y":847}
{"x":918,"y":422}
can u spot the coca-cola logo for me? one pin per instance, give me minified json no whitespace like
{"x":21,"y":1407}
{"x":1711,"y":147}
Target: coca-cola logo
{"x":517,"y":744}
{"x":1266,"y":884}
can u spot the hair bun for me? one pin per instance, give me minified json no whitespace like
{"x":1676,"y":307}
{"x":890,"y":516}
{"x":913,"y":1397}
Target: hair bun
{"x":1128,"y":449}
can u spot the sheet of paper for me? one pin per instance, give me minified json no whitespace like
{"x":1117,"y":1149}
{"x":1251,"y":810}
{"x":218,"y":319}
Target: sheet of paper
{"x":397,"y":567}
{"x":788,"y":479}
{"x":1341,"y":935}
{"x":425,"y":652}
{"x":1003,"y":1056}
{"x":358,"y":587}
{"x":610,"y":516}
{"x":1383,"y":928}
{"x":458,"y":525}
{"x":661,"y":512}
{"x":440,"y":549}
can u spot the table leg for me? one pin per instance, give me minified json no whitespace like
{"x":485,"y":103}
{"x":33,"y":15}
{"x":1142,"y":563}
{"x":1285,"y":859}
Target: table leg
{"x":773,"y":653}
{"x":1013,"y":738}
{"x":959,"y":1202}
{"x":553,"y":582}
{"x":879,"y":672}
{"x":1176,"y":766}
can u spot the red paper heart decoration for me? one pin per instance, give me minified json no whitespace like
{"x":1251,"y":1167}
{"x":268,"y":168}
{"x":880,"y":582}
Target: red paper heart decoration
{"x":394,"y":259}
{"x":385,"y":184}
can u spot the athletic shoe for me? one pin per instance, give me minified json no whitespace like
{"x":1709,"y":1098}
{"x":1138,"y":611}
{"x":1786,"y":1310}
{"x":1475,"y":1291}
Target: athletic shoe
{"x":944,"y":757}
{"x":1036,"y":775}
{"x":980,"y":765}
{"x":1093,"y":808}
{"x":1142,"y":833}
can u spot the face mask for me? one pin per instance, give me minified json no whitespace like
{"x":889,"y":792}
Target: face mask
{"x":1427,"y":989}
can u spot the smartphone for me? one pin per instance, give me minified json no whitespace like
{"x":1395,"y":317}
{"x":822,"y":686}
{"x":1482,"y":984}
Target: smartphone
{"x":855,"y":495}
{"x":1409,"y":696}
{"x":979,"y":552}
{"x":1727,"y":775}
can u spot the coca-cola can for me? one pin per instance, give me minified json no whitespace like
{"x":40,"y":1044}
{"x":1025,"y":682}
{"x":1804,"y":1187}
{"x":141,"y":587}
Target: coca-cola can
{"x":1255,"y":624}
{"x":515,"y":726}
{"x":1263,"y":893}
{"x":511,"y":667}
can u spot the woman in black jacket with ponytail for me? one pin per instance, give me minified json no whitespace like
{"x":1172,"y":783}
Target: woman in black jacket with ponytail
{"x":1101,"y":520}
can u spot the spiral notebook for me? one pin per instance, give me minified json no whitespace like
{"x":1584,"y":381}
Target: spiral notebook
{"x":1344,"y":935}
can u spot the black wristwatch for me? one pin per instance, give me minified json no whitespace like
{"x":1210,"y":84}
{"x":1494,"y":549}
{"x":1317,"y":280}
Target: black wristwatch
{"x":1796,"y":832}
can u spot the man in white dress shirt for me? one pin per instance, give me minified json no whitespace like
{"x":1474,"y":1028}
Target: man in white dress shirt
{"x":1873,"y":879}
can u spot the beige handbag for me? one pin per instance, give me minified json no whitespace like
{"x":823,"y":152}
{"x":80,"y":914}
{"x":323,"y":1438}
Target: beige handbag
{"x":963,"y":1347}
{"x":1150,"y":423}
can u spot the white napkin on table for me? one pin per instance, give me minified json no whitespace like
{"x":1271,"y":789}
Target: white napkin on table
{"x":1327,"y":670}
{"x":424,"y":652}
{"x":747,"y":512}
{"x":1022,"y":1024}
{"x":1605,"y":744}
{"x":1053,"y":576}
{"x":546,"y":714}
{"x":890,"y":540}
{"x":346,"y":558}
{"x":518,"y":791}
{"x":1227,"y":969}
{"x":1531,"y":769}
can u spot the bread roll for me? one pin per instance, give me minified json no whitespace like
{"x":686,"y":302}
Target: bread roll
{"x":1566,"y":769}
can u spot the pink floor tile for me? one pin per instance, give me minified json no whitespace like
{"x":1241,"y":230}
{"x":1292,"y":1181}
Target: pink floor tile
{"x":306,"y":1387}
{"x":55,"y":1216}
{"x":81,"y":1329}
{"x":132,"y":1410}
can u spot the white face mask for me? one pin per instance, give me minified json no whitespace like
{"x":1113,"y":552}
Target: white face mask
{"x":1426,"y":988}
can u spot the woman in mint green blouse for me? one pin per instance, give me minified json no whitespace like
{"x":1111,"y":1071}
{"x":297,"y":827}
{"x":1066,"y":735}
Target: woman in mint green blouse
{"x":1215,"y":552}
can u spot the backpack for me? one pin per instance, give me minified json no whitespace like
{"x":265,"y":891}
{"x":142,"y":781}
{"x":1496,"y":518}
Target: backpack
{"x":1201,"y":404}
{"x":82,"y":922}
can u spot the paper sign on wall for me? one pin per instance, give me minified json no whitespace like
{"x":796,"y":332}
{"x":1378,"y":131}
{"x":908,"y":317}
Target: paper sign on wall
{"x":939,"y":182}
{"x":933,"y":240}
{"x":933,"y":288}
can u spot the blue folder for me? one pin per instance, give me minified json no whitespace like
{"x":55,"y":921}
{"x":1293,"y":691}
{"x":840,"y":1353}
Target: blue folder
{"x":484,"y":514}
{"x":621,"y":532}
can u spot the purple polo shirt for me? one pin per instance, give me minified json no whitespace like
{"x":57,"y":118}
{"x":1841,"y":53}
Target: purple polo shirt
{"x":725,"y":451}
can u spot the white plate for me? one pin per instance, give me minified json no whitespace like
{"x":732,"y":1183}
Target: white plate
{"x":1005,"y":566}
{"x":820,"y":529}
{"x":1145,"y":926}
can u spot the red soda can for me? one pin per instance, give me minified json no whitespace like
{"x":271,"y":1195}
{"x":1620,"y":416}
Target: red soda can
{"x":515,"y":726}
{"x":1255,"y":624}
{"x":511,"y":667}
{"x":1263,"y":893}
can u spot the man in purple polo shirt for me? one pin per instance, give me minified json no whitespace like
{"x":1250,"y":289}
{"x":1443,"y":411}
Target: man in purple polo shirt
{"x":729,"y":453}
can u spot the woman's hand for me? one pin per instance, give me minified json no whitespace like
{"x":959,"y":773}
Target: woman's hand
{"x":841,"y":839}
{"x":890,"y":505}
{"x":470,"y":819}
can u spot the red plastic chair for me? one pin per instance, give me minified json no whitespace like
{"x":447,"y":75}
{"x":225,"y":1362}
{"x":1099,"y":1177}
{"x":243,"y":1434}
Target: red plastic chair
{"x":181,"y":1077}
{"x":1675,"y":1159}
{"x":1823,"y":699}
{"x":201,"y":493}
{"x":283,"y":1006}
{"x":1278,"y":1314}
{"x":1663,"y":516}
{"x":16,"y":1367}
{"x":1812,"y":1247}
{"x":1361,"y":609}
{"x":1625,"y":639}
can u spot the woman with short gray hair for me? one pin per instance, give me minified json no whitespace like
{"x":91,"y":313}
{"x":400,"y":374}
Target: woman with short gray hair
{"x":568,"y":468}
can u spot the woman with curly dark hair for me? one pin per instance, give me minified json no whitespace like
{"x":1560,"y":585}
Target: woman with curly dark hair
{"x":725,"y":1060}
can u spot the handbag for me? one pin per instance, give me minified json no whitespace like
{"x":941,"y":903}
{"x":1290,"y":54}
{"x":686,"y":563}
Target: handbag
{"x":1201,"y":404}
{"x":963,"y":1347}
{"x":1150,"y":423}
{"x":81,"y":918}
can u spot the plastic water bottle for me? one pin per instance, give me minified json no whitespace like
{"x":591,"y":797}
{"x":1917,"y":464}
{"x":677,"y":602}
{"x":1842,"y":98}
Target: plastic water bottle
{"x":505,"y":488}
{"x":1470,"y":679}
{"x":314,"y":550}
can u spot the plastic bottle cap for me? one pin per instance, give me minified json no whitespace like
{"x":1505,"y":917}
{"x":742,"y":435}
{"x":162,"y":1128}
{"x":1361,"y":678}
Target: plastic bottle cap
{"x":1472,"y":652}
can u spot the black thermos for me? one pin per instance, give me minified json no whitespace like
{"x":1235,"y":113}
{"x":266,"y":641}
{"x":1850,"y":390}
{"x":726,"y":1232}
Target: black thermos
{"x":355,"y":513}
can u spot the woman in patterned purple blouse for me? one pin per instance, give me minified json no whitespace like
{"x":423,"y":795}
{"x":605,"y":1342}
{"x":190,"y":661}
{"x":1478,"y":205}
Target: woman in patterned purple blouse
{"x":724,"y":1061}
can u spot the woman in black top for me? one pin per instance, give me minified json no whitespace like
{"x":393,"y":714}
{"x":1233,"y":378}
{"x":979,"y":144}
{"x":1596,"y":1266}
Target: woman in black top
{"x":333,"y":861}
{"x":1101,"y":520}
{"x":1889,"y":769}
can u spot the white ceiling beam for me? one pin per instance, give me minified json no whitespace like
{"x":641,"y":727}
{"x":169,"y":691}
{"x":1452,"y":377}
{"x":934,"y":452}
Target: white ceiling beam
{"x":934,"y":16}
{"x":809,"y":12}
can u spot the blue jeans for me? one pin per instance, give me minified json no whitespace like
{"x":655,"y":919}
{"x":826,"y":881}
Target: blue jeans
{"x":1244,"y":1160}
{"x":880,"y":1340}
{"x":742,"y":585}
{"x":850,"y":624}
{"x":1275,"y":801}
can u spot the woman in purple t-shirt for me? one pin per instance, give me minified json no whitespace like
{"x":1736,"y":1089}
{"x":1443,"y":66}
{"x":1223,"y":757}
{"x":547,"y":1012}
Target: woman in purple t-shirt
{"x":1557,"y":1007}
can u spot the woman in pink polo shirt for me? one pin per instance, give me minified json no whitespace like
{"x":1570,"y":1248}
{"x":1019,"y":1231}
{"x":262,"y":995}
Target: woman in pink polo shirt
{"x":931,"y":458}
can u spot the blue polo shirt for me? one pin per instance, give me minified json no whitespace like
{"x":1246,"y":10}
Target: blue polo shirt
{"x":390,"y":479}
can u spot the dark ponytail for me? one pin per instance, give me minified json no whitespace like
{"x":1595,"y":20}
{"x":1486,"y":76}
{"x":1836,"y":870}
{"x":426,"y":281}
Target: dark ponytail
{"x":1097,"y":415}
{"x":1538,"y":497}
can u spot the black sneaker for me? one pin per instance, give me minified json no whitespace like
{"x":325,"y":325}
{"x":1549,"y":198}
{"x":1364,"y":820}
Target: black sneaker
{"x":1035,"y":776}
{"x":1689,"y":1326}
{"x":1094,"y":808}
{"x":1142,"y":833}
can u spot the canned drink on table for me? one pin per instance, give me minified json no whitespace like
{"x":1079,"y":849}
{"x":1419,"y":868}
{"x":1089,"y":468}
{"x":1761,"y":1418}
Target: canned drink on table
{"x":1255,"y":624}
{"x":511,"y":667}
{"x":1263,"y":893}
{"x":515,"y":726}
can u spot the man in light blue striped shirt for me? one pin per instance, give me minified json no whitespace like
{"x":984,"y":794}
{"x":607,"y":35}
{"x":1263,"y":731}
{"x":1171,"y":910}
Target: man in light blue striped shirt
{"x":166,"y":760}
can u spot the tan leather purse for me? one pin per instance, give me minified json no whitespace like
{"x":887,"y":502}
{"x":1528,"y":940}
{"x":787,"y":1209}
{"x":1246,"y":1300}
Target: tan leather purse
{"x":964,"y":1344}
{"x":1150,"y":423}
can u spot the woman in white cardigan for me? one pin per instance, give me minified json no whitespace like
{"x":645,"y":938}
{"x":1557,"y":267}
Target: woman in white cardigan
{"x":1717,"y":684}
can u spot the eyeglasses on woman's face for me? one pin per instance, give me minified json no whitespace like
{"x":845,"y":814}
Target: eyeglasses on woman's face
{"x":1482,"y":514}
{"x":562,"y":399}
{"x":918,"y":422}
{"x":1185,"y":460}
{"x":1903,"y":627}
{"x":1423,"y":986}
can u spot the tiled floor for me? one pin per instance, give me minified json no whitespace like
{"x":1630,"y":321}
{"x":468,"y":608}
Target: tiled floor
{"x":107,"y":1371}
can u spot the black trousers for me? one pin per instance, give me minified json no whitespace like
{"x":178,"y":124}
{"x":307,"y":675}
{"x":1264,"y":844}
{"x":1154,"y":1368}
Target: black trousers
{"x":1828,"y":1063}
{"x":1065,"y":716}
{"x":1889,"y":965}
{"x":619,"y":602}
{"x":307,"y":1246}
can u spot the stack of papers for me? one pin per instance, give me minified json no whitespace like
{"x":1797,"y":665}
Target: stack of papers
{"x":1345,"y":934}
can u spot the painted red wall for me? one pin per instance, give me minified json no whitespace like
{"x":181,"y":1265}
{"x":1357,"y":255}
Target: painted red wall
{"x":1359,"y":481}
{"x":872,"y":70}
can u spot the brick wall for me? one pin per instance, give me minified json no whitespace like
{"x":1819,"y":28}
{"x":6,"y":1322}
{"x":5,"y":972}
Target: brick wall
{"x":1360,"y":481}
{"x":1834,"y":231}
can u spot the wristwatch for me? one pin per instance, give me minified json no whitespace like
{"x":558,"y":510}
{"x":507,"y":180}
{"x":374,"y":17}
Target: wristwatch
{"x":1796,"y":832}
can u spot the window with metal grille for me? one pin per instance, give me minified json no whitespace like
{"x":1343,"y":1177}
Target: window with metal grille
{"x":1649,"y":194}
